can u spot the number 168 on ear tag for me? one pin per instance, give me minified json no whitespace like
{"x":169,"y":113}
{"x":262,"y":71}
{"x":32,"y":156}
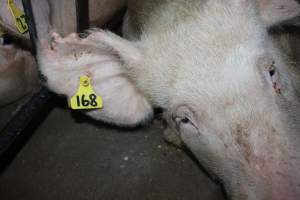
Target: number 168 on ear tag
{"x":86,"y":98}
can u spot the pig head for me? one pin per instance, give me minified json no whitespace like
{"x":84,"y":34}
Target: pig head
{"x":226,"y":88}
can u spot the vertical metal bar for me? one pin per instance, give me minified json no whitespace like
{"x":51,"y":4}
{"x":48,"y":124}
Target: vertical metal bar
{"x":82,"y":15}
{"x":31,"y":23}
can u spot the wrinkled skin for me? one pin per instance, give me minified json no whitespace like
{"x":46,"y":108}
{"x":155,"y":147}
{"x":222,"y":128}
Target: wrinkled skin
{"x":18,"y":74}
{"x":226,"y":87}
{"x":278,"y":11}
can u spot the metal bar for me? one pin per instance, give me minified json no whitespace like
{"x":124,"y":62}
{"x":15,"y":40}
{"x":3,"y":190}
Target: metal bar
{"x":31,"y":23}
{"x":82,"y":15}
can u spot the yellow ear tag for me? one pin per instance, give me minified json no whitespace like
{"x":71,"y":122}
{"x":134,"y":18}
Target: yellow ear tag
{"x":86,"y":98}
{"x":18,"y":15}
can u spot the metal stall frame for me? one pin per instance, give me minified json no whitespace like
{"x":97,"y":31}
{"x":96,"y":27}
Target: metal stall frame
{"x":22,"y":125}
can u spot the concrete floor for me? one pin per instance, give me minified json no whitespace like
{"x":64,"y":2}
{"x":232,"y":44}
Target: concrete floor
{"x":67,"y":159}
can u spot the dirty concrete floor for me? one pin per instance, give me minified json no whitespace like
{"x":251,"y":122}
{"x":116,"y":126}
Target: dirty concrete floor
{"x":67,"y":159}
{"x":7,"y":112}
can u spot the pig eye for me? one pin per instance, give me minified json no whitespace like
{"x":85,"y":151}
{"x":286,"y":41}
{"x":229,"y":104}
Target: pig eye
{"x":184,"y":117}
{"x":184,"y":123}
{"x":185,"y":120}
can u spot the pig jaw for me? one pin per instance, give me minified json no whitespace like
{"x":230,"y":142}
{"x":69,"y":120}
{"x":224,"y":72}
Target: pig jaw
{"x":266,"y":169}
{"x":265,"y":183}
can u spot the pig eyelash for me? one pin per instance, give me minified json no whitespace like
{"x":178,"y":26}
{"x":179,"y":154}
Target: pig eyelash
{"x":185,"y":120}
{"x":272,"y":73}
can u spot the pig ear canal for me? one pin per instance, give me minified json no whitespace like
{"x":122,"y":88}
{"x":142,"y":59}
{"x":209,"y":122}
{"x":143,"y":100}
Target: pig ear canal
{"x":272,"y":75}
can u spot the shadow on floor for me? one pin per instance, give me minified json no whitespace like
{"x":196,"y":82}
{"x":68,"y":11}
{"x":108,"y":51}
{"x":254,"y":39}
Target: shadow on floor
{"x":67,"y":159}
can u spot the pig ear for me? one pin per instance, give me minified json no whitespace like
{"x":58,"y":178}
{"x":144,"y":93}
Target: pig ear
{"x":274,"y":12}
{"x":105,"y":58}
{"x":128,"y":52}
{"x":272,"y":71}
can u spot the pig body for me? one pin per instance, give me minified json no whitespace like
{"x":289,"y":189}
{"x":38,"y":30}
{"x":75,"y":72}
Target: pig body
{"x":18,"y":74}
{"x":41,"y":12}
{"x":62,"y":17}
{"x":226,"y":88}
{"x":18,"y":68}
{"x":7,"y":20}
